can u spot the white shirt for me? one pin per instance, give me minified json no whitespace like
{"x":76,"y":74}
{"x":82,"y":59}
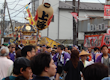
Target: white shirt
{"x":87,"y":63}
{"x":6,"y":66}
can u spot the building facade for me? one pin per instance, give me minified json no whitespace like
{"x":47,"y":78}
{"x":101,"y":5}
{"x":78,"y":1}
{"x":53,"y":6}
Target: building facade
{"x":61,"y":28}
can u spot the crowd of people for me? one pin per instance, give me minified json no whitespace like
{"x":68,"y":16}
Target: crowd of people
{"x":41,"y":62}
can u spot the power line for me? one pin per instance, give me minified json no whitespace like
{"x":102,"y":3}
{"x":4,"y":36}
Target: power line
{"x":17,"y":13}
{"x":12,"y":2}
{"x":9,"y":2}
{"x":20,"y":9}
{"x":16,"y":4}
{"x":100,"y":1}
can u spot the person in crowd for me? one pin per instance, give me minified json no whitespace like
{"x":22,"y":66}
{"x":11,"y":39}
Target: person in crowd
{"x":106,"y":78}
{"x":69,"y":49}
{"x":75,"y":47}
{"x":60,"y":58}
{"x":43,"y":66}
{"x":83,"y":56}
{"x":91,"y":57}
{"x":17,"y":49}
{"x":73,"y":67}
{"x":12,"y":53}
{"x":18,"y":54}
{"x":96,"y":50}
{"x":95,"y":71}
{"x":28,"y":51}
{"x":39,"y":48}
{"x":53,"y":52}
{"x":36,"y":49}
{"x":21,"y":70}
{"x":66,"y":49}
{"x":48,"y":49}
{"x":5,"y":64}
{"x":55,"y":47}
{"x":44,"y":49}
{"x":105,"y":57}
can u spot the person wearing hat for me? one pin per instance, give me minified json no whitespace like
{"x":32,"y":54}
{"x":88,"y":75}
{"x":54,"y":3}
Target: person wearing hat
{"x":83,"y":56}
{"x":21,"y":70}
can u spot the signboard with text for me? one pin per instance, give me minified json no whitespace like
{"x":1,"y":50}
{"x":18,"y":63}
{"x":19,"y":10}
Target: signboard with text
{"x":106,"y":11}
{"x":97,"y":40}
{"x":92,"y":41}
{"x":106,"y":39}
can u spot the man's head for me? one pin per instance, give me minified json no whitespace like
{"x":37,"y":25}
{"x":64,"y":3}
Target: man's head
{"x":104,"y":49}
{"x":96,"y":49}
{"x":95,"y":71}
{"x":43,"y":64}
{"x":90,"y":50}
{"x":28,"y":51}
{"x":44,"y":48}
{"x":66,"y":49}
{"x":75,"y":47}
{"x":60,"y":48}
{"x":4,"y":51}
{"x":22,"y":67}
{"x":12,"y":47}
{"x":48,"y":49}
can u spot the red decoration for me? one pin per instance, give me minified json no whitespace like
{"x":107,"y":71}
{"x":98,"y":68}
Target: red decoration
{"x":75,"y":15}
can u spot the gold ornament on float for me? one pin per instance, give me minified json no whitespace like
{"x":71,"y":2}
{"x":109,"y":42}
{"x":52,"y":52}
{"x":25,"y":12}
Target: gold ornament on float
{"x":28,"y":28}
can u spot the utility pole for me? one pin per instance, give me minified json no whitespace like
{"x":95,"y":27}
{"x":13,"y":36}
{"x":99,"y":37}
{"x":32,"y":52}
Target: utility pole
{"x":34,"y":7}
{"x":3,"y":22}
{"x":10,"y":19}
{"x":78,"y":20}
{"x":74,"y":26}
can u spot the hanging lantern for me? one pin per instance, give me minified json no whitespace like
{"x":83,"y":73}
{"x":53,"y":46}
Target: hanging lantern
{"x":44,"y":15}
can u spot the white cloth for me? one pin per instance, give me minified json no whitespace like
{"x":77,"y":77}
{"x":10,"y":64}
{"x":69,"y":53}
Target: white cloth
{"x":5,"y":67}
{"x":87,"y":63}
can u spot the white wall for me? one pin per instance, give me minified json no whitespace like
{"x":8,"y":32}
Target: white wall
{"x":66,"y":26}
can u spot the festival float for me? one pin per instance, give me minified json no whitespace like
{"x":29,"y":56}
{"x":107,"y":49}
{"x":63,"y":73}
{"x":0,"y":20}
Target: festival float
{"x":29,"y":33}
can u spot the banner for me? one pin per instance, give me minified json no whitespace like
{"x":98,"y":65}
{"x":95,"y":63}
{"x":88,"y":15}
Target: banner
{"x":106,"y":39}
{"x":49,"y":42}
{"x":106,"y":11}
{"x":75,"y":15}
{"x":31,"y":21}
{"x":93,"y":41}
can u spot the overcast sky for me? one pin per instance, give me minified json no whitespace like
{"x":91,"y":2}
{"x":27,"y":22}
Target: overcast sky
{"x":15,"y":5}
